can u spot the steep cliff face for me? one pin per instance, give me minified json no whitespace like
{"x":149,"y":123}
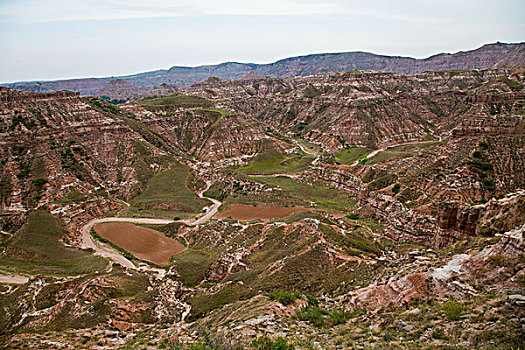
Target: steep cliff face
{"x":209,"y":134}
{"x":371,"y":109}
{"x":60,"y":149}
{"x":460,"y":220}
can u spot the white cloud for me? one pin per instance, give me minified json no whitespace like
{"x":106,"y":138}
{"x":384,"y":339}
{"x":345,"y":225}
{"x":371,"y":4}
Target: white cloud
{"x":70,"y":10}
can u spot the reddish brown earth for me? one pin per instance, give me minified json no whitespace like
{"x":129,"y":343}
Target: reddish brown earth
{"x":245,"y":212}
{"x":144,"y":243}
{"x":497,"y":55}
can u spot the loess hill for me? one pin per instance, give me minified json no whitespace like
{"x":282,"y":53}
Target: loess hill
{"x":164,"y":82}
{"x":405,"y":196}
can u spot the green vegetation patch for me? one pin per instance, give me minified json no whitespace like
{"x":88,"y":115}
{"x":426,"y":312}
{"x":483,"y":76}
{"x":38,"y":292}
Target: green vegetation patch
{"x":401,"y":151}
{"x":167,"y":195}
{"x":192,"y":266}
{"x":271,"y":162}
{"x":325,"y":198}
{"x":321,"y":317}
{"x":222,"y":112}
{"x":354,"y":243}
{"x":284,"y":297}
{"x":69,"y":197}
{"x":453,"y":309}
{"x":37,"y":248}
{"x":351,"y":154}
{"x":201,"y":304}
{"x":311,"y":92}
{"x":514,"y":85}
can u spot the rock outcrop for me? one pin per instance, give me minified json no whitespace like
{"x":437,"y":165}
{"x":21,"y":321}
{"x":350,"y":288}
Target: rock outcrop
{"x":462,"y":276}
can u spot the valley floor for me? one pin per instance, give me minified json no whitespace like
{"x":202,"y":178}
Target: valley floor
{"x":359,"y":210}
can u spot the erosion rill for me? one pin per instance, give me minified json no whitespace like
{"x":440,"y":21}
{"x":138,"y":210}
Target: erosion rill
{"x":355,"y":210}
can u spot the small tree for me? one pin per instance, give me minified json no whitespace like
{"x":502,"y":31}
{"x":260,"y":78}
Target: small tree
{"x":453,"y":309}
{"x":396,"y":188}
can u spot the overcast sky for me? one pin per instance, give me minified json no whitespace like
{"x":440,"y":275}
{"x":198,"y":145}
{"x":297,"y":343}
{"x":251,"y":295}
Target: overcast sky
{"x":56,"y":39}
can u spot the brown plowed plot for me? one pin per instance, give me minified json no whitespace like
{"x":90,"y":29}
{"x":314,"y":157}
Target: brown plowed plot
{"x":144,"y":243}
{"x":245,"y":212}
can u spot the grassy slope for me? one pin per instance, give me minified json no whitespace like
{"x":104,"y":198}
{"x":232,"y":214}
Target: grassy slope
{"x":400,"y":152}
{"x":218,"y":110}
{"x":350,"y":155}
{"x":271,"y":162}
{"x":37,"y":248}
{"x":326,"y":198}
{"x":300,"y":268}
{"x":169,"y":189}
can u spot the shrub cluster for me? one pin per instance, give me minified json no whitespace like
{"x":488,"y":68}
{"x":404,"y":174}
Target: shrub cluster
{"x":320,"y":317}
{"x":453,"y":309}
{"x":283,"y":296}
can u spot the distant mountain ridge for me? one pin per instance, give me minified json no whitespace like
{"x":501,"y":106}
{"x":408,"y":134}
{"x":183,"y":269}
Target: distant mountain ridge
{"x":497,"y":55}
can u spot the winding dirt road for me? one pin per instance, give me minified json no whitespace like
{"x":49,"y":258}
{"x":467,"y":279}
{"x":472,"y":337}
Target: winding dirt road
{"x":13,"y":279}
{"x":375,"y":152}
{"x":210,"y":212}
{"x":110,"y":253}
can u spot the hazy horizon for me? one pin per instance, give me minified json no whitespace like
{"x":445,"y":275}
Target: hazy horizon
{"x":58,"y":39}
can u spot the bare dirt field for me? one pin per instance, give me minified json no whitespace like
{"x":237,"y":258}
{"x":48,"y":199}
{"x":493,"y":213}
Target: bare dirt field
{"x":144,"y":243}
{"x":245,"y":212}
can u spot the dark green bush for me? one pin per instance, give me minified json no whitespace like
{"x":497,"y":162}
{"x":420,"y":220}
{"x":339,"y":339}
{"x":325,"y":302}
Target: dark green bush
{"x":453,"y":309}
{"x":282,"y":344}
{"x":320,"y":317}
{"x":283,"y":296}
{"x":312,"y":300}
{"x":396,"y":188}
{"x":39,"y":182}
{"x":480,"y":165}
{"x":265,"y":343}
{"x":313,"y":314}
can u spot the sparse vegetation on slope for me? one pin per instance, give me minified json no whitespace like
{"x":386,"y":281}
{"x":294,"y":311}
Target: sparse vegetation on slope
{"x":274,"y":163}
{"x":38,"y":248}
{"x":167,"y":195}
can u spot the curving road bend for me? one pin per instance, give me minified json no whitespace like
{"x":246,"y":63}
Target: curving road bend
{"x":110,"y":253}
{"x":375,"y":152}
{"x":212,"y":210}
